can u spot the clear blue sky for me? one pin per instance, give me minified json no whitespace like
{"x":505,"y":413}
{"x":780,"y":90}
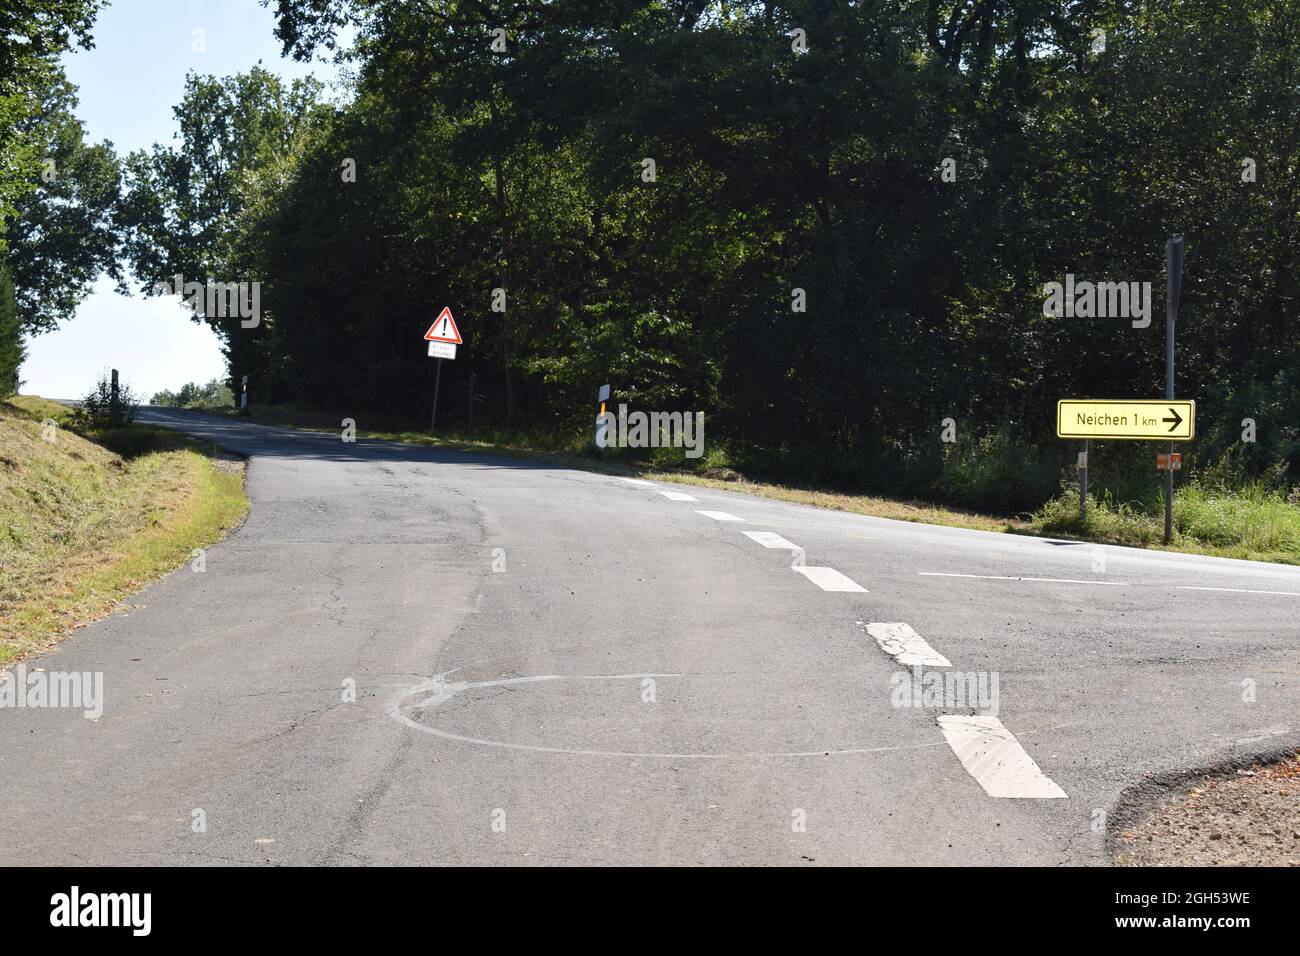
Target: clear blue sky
{"x":128,"y":84}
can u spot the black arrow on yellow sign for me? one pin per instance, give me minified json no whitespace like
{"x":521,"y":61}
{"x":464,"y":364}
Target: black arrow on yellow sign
{"x":1177,"y":419}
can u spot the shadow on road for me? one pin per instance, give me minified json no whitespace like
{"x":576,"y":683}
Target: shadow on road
{"x":247,"y":438}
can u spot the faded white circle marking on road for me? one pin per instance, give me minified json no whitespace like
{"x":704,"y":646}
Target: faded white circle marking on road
{"x":439,"y":690}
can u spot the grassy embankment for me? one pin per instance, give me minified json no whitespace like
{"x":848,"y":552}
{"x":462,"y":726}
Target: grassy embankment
{"x":1251,"y":523}
{"x":88,"y":519}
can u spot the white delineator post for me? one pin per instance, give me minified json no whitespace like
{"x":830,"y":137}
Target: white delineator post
{"x":602,"y":424}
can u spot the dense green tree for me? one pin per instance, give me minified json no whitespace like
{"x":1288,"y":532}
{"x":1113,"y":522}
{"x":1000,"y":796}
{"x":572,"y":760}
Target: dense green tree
{"x":215,"y":394}
{"x":181,"y":207}
{"x":911,"y":172}
{"x":12,"y":349}
{"x":64,"y":234}
{"x":33,"y":34}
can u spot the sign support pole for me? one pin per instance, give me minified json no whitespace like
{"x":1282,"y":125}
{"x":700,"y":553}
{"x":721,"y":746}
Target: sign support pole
{"x":1173,"y":285}
{"x":437,"y":380}
{"x":443,"y":337}
{"x":1083,"y":482}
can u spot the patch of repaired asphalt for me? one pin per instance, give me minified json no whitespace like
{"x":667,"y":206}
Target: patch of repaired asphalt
{"x":1243,"y":817}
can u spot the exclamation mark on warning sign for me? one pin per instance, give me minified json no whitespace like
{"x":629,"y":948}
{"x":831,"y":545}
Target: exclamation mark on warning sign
{"x":444,"y":329}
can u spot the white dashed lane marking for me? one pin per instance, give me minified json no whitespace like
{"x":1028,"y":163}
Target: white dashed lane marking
{"x":993,"y":756}
{"x":1114,"y":584}
{"x":828,"y":579}
{"x":1005,"y":577}
{"x":988,"y":751}
{"x":904,"y":645}
{"x":770,"y":540}
{"x":1188,"y":587}
{"x":635,"y":481}
{"x":719,"y":516}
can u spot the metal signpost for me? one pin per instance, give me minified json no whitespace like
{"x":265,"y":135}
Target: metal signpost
{"x":1138,"y":419}
{"x":443,"y":337}
{"x":1134,"y":419}
{"x":1173,"y":286}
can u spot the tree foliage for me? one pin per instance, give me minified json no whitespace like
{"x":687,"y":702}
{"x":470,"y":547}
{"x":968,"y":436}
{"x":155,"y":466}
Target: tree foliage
{"x":215,"y":394}
{"x":66,"y":232}
{"x":520,"y":166}
{"x":58,"y":194}
{"x":107,"y":405}
{"x":12,"y":349}
{"x":33,"y":34}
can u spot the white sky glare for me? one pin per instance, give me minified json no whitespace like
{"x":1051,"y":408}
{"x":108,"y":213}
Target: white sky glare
{"x":127,"y":86}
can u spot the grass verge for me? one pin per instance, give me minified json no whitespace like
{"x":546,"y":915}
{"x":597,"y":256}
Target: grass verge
{"x":87,"y":520}
{"x":1252,"y":523}
{"x":33,"y":406}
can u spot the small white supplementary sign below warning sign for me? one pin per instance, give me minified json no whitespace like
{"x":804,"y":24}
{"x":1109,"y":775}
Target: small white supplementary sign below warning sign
{"x":444,"y":329}
{"x":442,"y":350}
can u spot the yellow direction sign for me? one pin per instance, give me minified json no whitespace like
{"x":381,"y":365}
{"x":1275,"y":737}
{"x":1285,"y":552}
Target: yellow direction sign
{"x":1136,"y":418}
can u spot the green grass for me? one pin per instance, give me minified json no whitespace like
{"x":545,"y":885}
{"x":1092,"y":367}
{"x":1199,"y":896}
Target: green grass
{"x":1253,"y":523}
{"x":1253,"y":520}
{"x":88,"y":520}
{"x":39,"y":408}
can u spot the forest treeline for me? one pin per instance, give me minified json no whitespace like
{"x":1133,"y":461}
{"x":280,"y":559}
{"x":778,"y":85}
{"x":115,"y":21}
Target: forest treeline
{"x":826,"y":224}
{"x":60,"y":199}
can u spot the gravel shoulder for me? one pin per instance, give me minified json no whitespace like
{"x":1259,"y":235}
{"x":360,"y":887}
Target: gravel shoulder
{"x":1244,"y":817}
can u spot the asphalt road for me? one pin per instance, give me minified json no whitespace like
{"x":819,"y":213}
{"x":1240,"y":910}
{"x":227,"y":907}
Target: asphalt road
{"x":559,"y":667}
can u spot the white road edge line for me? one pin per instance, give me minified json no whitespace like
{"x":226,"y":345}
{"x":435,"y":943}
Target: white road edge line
{"x":678,"y":496}
{"x":1188,"y":587}
{"x":770,"y":539}
{"x":993,"y":756}
{"x":635,"y":481}
{"x":828,"y":579}
{"x":719,"y":516}
{"x":1006,"y":577}
{"x":904,"y":645}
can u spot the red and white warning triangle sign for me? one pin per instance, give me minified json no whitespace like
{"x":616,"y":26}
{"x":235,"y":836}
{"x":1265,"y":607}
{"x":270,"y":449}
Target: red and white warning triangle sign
{"x":444,"y":329}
